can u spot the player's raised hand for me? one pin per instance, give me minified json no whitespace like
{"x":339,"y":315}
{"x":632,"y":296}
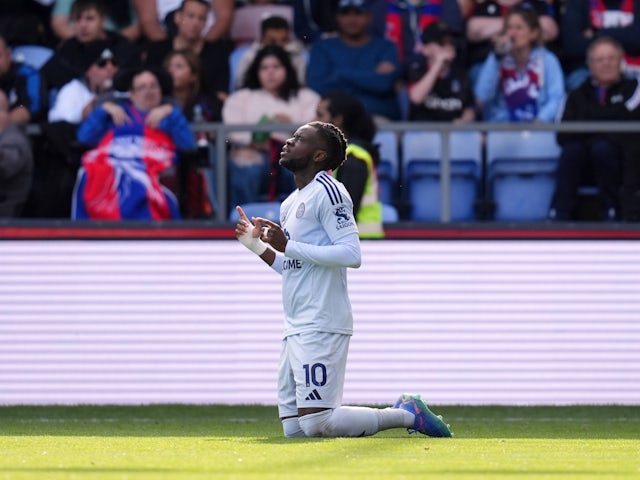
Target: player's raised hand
{"x":244,"y":225}
{"x":248,"y":233}
{"x":272,"y":234}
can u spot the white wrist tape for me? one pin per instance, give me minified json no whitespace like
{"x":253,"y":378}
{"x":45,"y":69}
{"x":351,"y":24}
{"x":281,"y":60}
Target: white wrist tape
{"x":254,"y":244}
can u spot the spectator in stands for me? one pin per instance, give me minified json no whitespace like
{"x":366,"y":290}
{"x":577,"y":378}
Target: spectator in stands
{"x":16,"y":163}
{"x":247,"y":18}
{"x":314,"y":19}
{"x":275,"y":30}
{"x":70,"y":59}
{"x":584,"y":21}
{"x":57,"y":151}
{"x":26,"y":22}
{"x":486,"y":23}
{"x":77,"y":98}
{"x":596,"y":157}
{"x":214,"y":55}
{"x":402,"y":22}
{"x":133,"y":143}
{"x":357,"y":63}
{"x":23,"y":86}
{"x":439,"y":88}
{"x":466,"y":7}
{"x":358,"y":172}
{"x":196,"y":187}
{"x":121,"y":17}
{"x":271,"y":94}
{"x":520,"y":81}
{"x":157,"y":22}
{"x":185,"y":68}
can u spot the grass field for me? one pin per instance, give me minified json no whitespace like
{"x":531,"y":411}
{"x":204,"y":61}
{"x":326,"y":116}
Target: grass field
{"x":246,"y":442}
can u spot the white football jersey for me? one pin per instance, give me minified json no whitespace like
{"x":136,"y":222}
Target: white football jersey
{"x":314,"y":293}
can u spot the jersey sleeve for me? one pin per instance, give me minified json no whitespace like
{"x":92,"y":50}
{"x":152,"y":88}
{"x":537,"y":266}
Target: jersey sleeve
{"x":345,"y":252}
{"x":335,"y":214}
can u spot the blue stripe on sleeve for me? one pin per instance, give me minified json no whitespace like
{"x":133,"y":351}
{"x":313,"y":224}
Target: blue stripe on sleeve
{"x":330,"y":187}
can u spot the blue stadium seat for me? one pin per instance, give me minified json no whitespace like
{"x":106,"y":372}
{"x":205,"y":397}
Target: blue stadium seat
{"x":421,"y":154}
{"x":521,"y":170}
{"x":388,"y":166}
{"x":268,"y":210}
{"x":389,"y":213}
{"x":234,"y":60}
{"x":33,"y":55}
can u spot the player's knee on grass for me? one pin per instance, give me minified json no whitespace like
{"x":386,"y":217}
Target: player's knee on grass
{"x":317,"y":424}
{"x":291,"y":427}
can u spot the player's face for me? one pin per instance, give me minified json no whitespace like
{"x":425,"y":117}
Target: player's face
{"x":297,"y":152}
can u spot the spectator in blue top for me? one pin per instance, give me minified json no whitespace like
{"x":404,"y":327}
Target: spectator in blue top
{"x":486,"y":22}
{"x":23,"y":86}
{"x":521,"y":81}
{"x":357,"y":63}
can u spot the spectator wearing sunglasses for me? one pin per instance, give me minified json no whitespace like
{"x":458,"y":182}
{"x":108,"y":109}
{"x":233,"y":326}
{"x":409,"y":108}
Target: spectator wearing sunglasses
{"x":74,"y":54}
{"x":77,"y":98}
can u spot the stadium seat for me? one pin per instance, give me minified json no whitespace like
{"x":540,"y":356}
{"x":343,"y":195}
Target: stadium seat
{"x":389,"y":213}
{"x":33,"y":55}
{"x":421,"y":156}
{"x":245,"y":27}
{"x":388,"y":166}
{"x":521,"y":170}
{"x":268,"y":210}
{"x":234,"y":60}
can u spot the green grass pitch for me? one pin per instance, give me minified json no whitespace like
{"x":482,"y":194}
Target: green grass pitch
{"x":246,"y":442}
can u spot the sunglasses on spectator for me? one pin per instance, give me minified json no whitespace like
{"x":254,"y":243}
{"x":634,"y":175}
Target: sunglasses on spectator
{"x":103,"y":62}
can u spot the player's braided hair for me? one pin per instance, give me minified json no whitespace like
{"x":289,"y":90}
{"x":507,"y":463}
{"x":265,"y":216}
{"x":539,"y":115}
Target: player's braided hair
{"x":334,"y":141}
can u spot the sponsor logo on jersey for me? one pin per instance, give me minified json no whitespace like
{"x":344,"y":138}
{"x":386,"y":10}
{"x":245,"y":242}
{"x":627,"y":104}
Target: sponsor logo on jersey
{"x":343,"y":218}
{"x":291,"y":264}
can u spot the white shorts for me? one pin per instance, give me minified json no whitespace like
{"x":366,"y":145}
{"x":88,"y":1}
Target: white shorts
{"x":311,"y":373}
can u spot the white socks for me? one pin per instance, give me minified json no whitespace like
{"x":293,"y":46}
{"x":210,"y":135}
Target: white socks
{"x":395,"y":417}
{"x":348,"y":422}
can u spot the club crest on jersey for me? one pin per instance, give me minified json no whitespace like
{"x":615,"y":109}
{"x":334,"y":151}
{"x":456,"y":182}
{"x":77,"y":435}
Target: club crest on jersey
{"x":300,"y":210}
{"x":344,"y":220}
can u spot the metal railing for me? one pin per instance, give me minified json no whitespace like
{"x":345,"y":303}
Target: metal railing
{"x":221,"y":130}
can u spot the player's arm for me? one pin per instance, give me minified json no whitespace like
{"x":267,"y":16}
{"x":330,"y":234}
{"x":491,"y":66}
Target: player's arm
{"x":344,"y":252}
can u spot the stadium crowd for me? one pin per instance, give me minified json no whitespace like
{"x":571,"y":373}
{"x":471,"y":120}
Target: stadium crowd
{"x":64,"y":63}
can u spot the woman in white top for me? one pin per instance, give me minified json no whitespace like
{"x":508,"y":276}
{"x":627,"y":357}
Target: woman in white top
{"x":271,"y":93}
